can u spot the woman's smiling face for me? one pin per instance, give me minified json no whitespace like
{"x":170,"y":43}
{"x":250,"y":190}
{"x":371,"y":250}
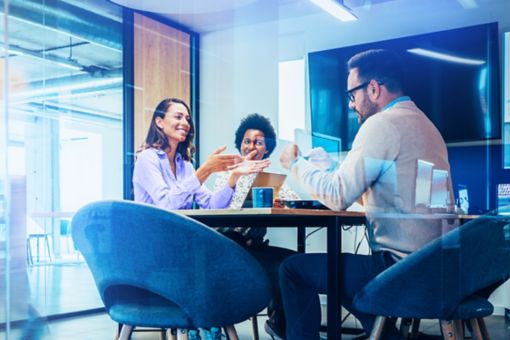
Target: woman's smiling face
{"x":176,"y":124}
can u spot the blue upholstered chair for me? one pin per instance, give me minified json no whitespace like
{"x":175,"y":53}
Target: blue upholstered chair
{"x":444,"y":279}
{"x":155,"y":268}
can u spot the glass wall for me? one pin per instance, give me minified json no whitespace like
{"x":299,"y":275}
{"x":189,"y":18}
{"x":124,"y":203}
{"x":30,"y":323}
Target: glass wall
{"x":506,"y":99}
{"x":61,"y":145}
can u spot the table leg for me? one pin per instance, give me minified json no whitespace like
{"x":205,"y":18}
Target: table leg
{"x":334,"y":237}
{"x":301,"y":239}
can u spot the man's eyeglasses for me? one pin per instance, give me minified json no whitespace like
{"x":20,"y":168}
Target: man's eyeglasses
{"x":350,"y":93}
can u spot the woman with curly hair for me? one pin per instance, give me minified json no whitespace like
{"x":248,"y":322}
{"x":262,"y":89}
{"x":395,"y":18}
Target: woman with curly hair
{"x":256,"y":135}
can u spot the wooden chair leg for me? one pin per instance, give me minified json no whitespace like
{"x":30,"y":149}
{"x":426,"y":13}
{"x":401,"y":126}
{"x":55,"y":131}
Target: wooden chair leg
{"x":449,"y":330}
{"x":117,"y":334}
{"x":162,"y":334}
{"x":182,"y":334}
{"x":476,"y":331}
{"x":171,"y":334}
{"x":378,"y":328}
{"x":125,"y":332}
{"x":231,"y":332}
{"x":405,"y":324}
{"x":415,"y":329}
{"x":459,"y":327}
{"x":483,"y":329}
{"x":255,"y":327}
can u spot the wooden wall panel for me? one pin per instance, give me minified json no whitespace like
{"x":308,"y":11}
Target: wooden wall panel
{"x":161,"y":69}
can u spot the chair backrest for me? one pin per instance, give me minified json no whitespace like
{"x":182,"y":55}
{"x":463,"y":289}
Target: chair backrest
{"x":431,"y":282}
{"x":127,"y":244}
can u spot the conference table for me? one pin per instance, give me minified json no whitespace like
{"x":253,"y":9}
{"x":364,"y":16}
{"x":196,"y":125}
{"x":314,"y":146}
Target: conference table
{"x":300,"y":219}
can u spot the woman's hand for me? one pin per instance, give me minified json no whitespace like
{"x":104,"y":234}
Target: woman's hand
{"x":248,"y":166}
{"x":217,"y":162}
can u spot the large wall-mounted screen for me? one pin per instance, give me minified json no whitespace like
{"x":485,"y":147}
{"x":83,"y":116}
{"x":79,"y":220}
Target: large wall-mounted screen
{"x":453,"y":76}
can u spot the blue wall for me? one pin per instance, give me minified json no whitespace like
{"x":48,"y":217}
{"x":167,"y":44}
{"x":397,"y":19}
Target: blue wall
{"x":480,"y":169}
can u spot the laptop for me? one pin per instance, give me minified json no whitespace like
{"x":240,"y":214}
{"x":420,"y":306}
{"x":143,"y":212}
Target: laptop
{"x":265,"y":179}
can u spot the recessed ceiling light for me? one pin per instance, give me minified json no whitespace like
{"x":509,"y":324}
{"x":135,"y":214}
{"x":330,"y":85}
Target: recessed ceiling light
{"x":468,"y":4}
{"x":336,"y":9}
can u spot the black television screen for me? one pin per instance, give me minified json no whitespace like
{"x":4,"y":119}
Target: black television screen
{"x":453,"y":76}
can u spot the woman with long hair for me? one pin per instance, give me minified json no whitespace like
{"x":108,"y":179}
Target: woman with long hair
{"x":163,"y":173}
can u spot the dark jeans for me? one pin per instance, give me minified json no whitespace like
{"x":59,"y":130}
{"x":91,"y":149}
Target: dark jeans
{"x":304,"y":276}
{"x":270,"y":258}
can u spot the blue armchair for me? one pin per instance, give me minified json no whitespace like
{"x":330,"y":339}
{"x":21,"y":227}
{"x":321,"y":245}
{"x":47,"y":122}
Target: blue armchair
{"x":444,"y":279}
{"x":156,"y":268}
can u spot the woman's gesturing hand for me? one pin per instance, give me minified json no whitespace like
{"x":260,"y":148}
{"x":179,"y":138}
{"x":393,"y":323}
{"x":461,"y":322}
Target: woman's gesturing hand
{"x":217,"y":162}
{"x":222,"y":162}
{"x":248,"y":166}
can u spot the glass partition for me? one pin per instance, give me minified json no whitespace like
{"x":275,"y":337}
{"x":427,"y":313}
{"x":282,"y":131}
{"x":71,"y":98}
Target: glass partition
{"x":506,"y":100}
{"x":61,"y":144}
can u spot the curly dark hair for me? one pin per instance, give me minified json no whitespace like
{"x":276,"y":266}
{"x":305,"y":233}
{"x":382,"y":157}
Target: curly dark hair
{"x":156,"y":138}
{"x":257,"y":122}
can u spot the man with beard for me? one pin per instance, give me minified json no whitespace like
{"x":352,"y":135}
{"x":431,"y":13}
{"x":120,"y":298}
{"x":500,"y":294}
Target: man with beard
{"x":381,"y":170}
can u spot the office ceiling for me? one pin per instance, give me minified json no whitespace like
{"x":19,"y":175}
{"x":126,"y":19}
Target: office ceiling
{"x":68,"y":53}
{"x":205,"y":16}
{"x":65,"y":57}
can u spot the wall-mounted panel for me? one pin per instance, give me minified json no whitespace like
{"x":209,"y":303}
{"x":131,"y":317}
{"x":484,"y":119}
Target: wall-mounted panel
{"x":161,"y":69}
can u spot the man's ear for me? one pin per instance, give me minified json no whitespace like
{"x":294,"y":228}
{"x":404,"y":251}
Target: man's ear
{"x":375,"y":89}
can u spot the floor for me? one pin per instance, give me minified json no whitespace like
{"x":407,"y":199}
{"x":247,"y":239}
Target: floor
{"x":68,"y":288}
{"x":99,"y":326}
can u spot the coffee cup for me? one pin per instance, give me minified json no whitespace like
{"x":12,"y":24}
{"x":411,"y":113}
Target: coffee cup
{"x":262,"y":197}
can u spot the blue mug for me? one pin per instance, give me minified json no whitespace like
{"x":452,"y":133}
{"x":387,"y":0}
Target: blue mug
{"x":262,"y":197}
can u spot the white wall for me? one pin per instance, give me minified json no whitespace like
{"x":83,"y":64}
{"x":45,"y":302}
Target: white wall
{"x":239,"y":67}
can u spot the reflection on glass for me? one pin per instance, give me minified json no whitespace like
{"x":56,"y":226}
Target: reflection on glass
{"x":504,"y":198}
{"x":506,"y":102}
{"x":64,"y":141}
{"x":439,"y":197}
{"x":323,"y":150}
{"x":423,"y":183}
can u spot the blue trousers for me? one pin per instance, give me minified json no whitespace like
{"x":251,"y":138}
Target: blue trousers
{"x":270,"y":258}
{"x":304,"y":276}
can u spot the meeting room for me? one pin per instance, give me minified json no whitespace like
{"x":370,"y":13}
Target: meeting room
{"x":255,"y":169}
